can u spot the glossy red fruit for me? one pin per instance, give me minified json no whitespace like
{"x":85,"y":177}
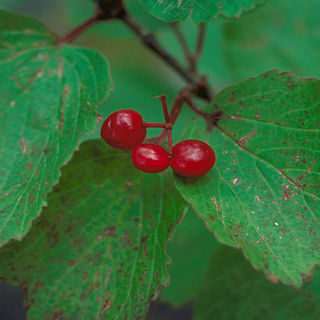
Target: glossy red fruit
{"x":123,"y":129}
{"x":151,"y":158}
{"x":192,"y":158}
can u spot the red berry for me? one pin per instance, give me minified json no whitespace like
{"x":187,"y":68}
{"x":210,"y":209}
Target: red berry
{"x":151,"y":158}
{"x":192,"y":158}
{"x":123,"y":129}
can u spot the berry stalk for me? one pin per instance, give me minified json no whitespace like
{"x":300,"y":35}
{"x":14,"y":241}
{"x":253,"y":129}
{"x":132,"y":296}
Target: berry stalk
{"x":163,"y":99}
{"x":156,"y":125}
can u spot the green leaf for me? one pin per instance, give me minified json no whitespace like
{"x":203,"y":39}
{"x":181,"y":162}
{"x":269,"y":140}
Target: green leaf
{"x":192,"y":237}
{"x":199,"y":11}
{"x":48,"y":97}
{"x":100,"y":241}
{"x":263,"y":194}
{"x":241,"y":293}
{"x":280,"y":34}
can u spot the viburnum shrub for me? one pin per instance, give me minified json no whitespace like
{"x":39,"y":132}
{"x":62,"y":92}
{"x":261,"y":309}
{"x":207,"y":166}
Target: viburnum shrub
{"x":244,"y":154}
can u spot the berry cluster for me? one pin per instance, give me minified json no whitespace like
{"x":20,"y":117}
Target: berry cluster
{"x":126,"y":130}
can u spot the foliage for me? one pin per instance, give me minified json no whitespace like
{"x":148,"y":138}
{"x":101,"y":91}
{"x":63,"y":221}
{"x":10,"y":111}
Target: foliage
{"x":102,"y":238}
{"x":89,"y":246}
{"x":51,"y":95}
{"x":175,"y":10}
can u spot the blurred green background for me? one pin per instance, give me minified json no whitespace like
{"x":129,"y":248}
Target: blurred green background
{"x":281,"y":35}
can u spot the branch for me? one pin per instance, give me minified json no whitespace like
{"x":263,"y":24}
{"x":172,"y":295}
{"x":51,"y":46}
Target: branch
{"x":191,"y":58}
{"x":200,"y":87}
{"x":114,"y":9}
{"x":151,"y":42}
{"x":199,"y":47}
{"x":105,"y":10}
{"x":180,"y":36}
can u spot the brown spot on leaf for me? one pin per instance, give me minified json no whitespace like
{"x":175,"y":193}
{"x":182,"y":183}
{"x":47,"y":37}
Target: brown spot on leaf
{"x":61,"y":121}
{"x":4,"y":195}
{"x":85,"y":276}
{"x":106,"y":304}
{"x":287,"y":193}
{"x":89,"y":291}
{"x":57,"y":316}
{"x":299,"y":215}
{"x":145,"y":250}
{"x":107,"y":278}
{"x":291,"y":84}
{"x":129,"y":183}
{"x":144,"y":239}
{"x":66,"y":92}
{"x":23,"y":145}
{"x":109,"y":232}
{"x":274,"y":280}
{"x":243,"y":141}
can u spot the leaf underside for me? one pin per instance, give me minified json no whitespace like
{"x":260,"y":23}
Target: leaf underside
{"x":263,"y":194}
{"x":100,"y":241}
{"x":48,"y":97}
{"x":199,"y":11}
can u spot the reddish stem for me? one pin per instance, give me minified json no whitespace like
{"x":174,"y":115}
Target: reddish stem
{"x":183,"y":97}
{"x":163,"y":99}
{"x":168,"y":130}
{"x":155,"y":125}
{"x":73,"y":34}
{"x":174,"y":113}
{"x":169,"y":134}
